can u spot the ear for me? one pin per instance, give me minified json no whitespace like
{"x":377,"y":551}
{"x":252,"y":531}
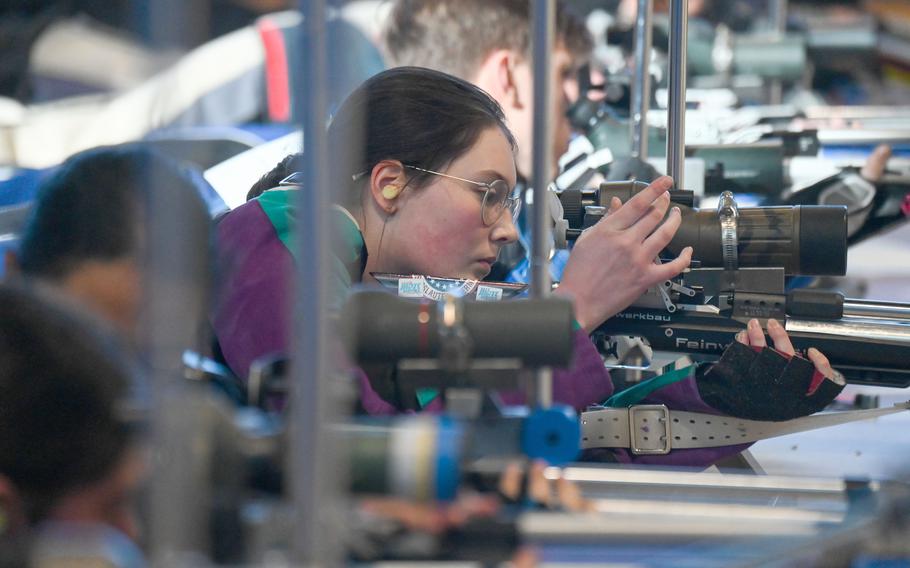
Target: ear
{"x":496,"y":76}
{"x":12,"y":515}
{"x":387,"y":181}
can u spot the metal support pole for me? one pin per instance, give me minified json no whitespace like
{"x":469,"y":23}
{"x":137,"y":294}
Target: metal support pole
{"x":544,"y":20}
{"x":676,"y":122}
{"x":313,"y":479}
{"x":175,"y":303}
{"x":777,"y":14}
{"x":544,"y":17}
{"x":641,"y":85}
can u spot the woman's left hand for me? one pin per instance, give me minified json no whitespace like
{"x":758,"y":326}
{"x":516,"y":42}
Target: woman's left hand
{"x":754,"y":336}
{"x":756,"y":382}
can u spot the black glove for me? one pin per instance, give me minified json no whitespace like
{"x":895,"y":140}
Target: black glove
{"x":758,"y":383}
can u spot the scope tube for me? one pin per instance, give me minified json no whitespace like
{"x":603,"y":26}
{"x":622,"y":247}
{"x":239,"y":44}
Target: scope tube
{"x":382,"y":328}
{"x":808,"y":240}
{"x":803,"y":239}
{"x":416,"y":457}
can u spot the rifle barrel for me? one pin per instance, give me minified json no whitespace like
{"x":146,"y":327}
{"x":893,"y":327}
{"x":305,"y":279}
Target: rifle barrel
{"x":876,"y":309}
{"x":858,"y":327}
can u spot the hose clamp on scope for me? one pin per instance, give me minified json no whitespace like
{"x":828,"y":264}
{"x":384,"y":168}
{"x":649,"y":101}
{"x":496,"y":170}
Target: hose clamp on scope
{"x":728,"y":215}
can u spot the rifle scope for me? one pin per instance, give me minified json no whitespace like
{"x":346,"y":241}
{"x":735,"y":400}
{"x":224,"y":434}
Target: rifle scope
{"x":802,"y":239}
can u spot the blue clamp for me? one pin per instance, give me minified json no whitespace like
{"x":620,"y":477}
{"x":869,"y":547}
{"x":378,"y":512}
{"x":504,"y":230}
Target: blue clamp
{"x":552,"y":434}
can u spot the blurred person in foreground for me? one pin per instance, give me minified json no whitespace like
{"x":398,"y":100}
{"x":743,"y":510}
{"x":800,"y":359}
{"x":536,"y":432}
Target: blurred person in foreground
{"x":68,"y":449}
{"x":87,"y":232}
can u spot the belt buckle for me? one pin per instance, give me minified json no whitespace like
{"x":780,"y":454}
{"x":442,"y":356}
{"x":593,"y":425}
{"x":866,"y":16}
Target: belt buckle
{"x":663,"y":419}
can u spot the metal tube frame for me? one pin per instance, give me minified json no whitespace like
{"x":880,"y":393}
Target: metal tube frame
{"x":175,"y":301}
{"x":641,"y":85}
{"x":777,"y":14}
{"x":544,"y":18}
{"x":174,"y":306}
{"x":314,"y":482}
{"x":676,"y":122}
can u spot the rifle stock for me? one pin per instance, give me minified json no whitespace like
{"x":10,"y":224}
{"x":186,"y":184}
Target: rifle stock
{"x":868,"y":341}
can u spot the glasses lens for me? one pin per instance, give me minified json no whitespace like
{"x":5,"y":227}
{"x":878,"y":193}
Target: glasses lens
{"x":295,"y":178}
{"x":514,"y":208}
{"x":495,"y":201}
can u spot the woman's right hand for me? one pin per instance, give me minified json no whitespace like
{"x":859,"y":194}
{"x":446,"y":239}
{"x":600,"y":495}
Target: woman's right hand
{"x":612,"y":263}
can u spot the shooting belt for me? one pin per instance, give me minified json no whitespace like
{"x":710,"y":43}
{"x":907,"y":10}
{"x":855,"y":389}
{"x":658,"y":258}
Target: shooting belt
{"x":654,"y":429}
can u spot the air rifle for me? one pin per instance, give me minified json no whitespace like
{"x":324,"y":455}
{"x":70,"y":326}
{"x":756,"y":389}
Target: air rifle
{"x":741,"y":263}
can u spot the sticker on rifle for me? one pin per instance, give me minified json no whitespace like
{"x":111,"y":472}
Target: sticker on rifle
{"x":488,"y":294}
{"x":438,"y":288}
{"x":411,"y":287}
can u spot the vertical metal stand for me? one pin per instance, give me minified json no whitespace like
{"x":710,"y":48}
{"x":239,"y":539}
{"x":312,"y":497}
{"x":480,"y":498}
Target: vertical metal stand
{"x":676,"y":122}
{"x":176,"y":286}
{"x":175,"y":300}
{"x":314,"y":479}
{"x":544,"y":18}
{"x":641,"y":84}
{"x":777,"y":13}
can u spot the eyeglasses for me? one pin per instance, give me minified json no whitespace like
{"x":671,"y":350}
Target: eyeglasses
{"x":295,"y":179}
{"x":496,"y":197}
